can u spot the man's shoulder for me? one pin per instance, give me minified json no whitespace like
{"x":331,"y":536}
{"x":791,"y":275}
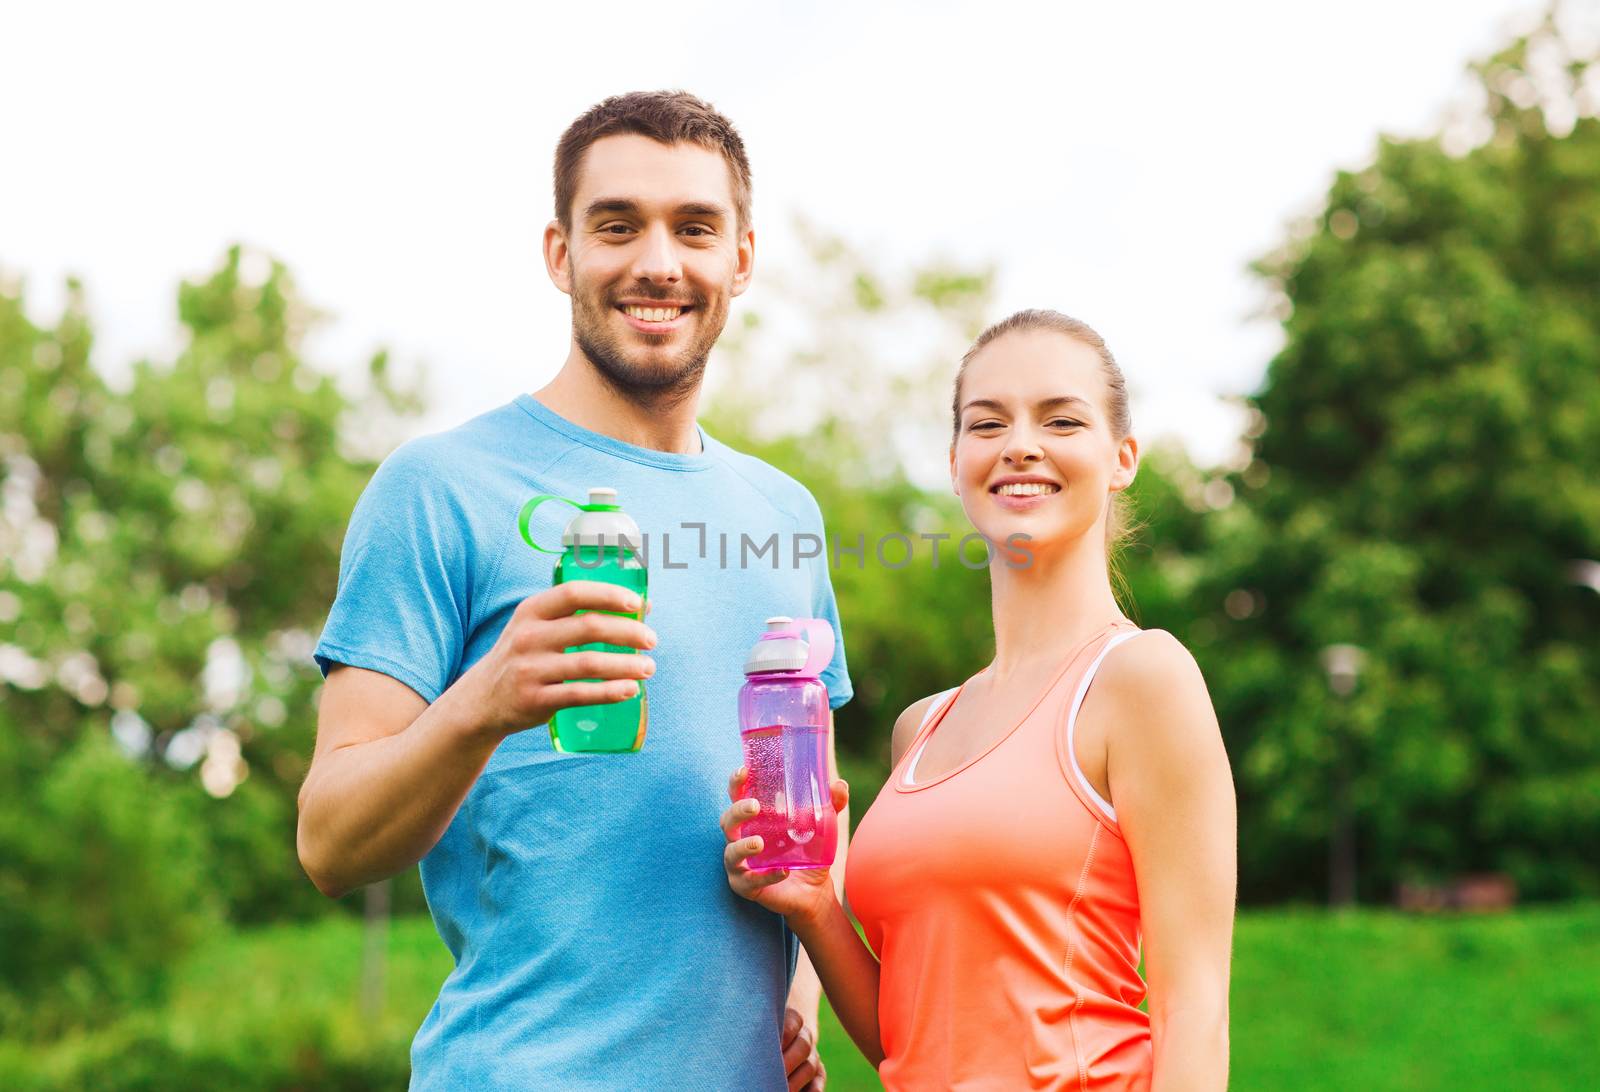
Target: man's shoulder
{"x":448,"y":478}
{"x":461,"y":457}
{"x":779,"y":488}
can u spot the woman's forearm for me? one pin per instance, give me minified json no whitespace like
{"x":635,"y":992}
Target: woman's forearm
{"x":849,"y":974}
{"x":1191,"y":1048}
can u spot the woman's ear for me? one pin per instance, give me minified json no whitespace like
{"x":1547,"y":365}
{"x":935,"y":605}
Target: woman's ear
{"x":955,"y":484}
{"x":1127,"y":464}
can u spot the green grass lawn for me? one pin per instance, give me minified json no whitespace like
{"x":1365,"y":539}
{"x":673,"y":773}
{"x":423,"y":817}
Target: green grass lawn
{"x":1368,"y":1000}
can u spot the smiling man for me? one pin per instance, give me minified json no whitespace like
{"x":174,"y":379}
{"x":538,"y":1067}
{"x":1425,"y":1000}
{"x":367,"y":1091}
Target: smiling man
{"x":596,"y":943}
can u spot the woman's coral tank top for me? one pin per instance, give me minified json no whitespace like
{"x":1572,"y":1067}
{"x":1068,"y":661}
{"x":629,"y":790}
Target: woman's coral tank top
{"x":1000,"y":899}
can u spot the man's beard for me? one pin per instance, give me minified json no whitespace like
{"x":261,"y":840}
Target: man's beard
{"x":655,"y":386}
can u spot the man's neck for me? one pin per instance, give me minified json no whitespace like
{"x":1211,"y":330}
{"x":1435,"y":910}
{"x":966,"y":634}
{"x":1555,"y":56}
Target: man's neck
{"x":579,"y":394}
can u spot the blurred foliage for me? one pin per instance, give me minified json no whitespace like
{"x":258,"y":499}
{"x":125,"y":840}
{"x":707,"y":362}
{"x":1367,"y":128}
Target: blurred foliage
{"x":168,"y":550}
{"x":1426,"y":472}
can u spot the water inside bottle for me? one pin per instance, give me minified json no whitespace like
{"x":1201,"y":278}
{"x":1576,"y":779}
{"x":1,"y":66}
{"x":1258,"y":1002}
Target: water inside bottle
{"x":785,"y":777}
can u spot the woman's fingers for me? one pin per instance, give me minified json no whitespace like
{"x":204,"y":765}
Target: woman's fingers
{"x":736,"y":782}
{"x":739,"y":813}
{"x":841,"y":794}
{"x":745,"y":881}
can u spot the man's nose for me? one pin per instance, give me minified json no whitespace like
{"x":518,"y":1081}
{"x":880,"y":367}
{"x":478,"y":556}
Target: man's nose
{"x":657,"y":260}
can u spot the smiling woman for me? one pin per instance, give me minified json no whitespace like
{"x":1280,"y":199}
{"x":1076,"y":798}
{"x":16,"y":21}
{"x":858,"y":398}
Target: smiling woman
{"x":1037,"y":837}
{"x":1084,"y":337}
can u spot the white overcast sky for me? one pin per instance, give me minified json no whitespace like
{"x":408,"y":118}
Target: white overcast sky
{"x":1122,"y":162}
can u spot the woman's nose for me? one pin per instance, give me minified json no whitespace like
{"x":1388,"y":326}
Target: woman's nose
{"x":1022,"y":448}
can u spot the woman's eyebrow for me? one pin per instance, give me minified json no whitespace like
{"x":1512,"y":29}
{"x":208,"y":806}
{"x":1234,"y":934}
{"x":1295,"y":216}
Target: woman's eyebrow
{"x":1062,"y":401}
{"x":1059,"y":401}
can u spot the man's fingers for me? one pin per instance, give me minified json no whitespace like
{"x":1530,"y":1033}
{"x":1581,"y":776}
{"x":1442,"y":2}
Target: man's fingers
{"x":569,"y":695}
{"x":739,"y":813}
{"x":596,"y":627}
{"x":589,"y":666}
{"x":800,"y":1075}
{"x":575,"y":595}
{"x":796,"y":1049}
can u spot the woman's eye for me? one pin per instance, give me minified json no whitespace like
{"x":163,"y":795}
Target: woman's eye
{"x":1064,"y":422}
{"x":984,"y":426}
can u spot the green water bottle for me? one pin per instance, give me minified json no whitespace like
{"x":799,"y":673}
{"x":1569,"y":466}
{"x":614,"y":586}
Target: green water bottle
{"x":600,"y":543}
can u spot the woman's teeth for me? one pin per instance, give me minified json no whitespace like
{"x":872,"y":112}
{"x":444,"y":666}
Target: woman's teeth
{"x":653,"y":314}
{"x":1027,"y":489}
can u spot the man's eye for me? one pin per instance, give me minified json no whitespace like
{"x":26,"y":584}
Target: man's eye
{"x":696,"y":231}
{"x":616,"y":229}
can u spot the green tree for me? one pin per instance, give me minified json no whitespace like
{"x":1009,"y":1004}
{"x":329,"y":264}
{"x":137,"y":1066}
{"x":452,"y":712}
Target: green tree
{"x":1427,"y":469}
{"x":167,"y":552}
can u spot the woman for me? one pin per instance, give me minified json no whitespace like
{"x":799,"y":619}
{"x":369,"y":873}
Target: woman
{"x":1035,"y":829}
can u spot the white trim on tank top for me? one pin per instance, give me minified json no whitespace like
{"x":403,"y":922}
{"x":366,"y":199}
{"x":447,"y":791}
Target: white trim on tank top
{"x":1072,"y":726}
{"x":933,"y":707}
{"x":1072,"y":723}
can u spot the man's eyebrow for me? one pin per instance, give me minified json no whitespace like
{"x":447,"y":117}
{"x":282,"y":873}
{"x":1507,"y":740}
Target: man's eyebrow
{"x":610,"y":204}
{"x":628,"y":206}
{"x":701,"y":208}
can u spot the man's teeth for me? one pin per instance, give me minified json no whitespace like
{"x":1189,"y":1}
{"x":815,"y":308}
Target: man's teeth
{"x":1026,"y":489}
{"x":653,"y":314}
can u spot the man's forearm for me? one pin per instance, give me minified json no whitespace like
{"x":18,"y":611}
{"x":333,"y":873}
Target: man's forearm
{"x":371,"y":809}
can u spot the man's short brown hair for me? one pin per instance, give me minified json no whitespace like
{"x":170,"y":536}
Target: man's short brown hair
{"x":671,"y":117}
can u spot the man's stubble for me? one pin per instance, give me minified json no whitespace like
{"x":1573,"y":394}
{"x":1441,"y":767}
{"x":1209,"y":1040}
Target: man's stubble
{"x":655,"y":386}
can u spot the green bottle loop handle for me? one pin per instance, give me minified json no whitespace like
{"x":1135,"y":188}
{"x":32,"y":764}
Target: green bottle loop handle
{"x":526,"y":516}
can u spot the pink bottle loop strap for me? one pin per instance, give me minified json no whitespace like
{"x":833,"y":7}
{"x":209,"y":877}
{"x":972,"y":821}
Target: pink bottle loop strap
{"x":819,"y":635}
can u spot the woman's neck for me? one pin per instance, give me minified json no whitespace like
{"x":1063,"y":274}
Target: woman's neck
{"x":1043,"y":611}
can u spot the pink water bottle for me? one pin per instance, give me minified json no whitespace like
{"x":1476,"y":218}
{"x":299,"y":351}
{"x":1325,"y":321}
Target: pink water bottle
{"x":784,"y":725}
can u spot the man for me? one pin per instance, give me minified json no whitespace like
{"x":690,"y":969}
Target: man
{"x":596,"y":942}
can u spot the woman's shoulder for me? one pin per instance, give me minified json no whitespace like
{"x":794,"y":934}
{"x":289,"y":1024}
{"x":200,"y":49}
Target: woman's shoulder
{"x":1146,"y":657}
{"x":1152,"y":686}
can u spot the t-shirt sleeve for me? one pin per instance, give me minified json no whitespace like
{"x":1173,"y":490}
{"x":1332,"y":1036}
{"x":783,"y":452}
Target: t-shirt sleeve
{"x":402,"y":602}
{"x":836,"y":676}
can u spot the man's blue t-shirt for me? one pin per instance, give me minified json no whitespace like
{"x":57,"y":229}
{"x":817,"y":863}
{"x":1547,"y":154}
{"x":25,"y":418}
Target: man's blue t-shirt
{"x":596,"y":942}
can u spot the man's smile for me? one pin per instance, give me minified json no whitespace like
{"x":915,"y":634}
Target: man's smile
{"x":654,"y":317}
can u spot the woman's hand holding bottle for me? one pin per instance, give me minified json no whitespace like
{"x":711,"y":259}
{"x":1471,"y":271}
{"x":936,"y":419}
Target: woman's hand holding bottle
{"x":800,"y":895}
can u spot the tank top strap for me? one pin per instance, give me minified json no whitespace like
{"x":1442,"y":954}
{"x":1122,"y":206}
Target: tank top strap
{"x":1084,"y":659}
{"x":930,"y":718}
{"x":1066,"y":722}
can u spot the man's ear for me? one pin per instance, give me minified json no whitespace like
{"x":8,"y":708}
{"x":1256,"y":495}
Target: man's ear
{"x":558,"y":256}
{"x":1127,"y":464}
{"x":746,"y":262}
